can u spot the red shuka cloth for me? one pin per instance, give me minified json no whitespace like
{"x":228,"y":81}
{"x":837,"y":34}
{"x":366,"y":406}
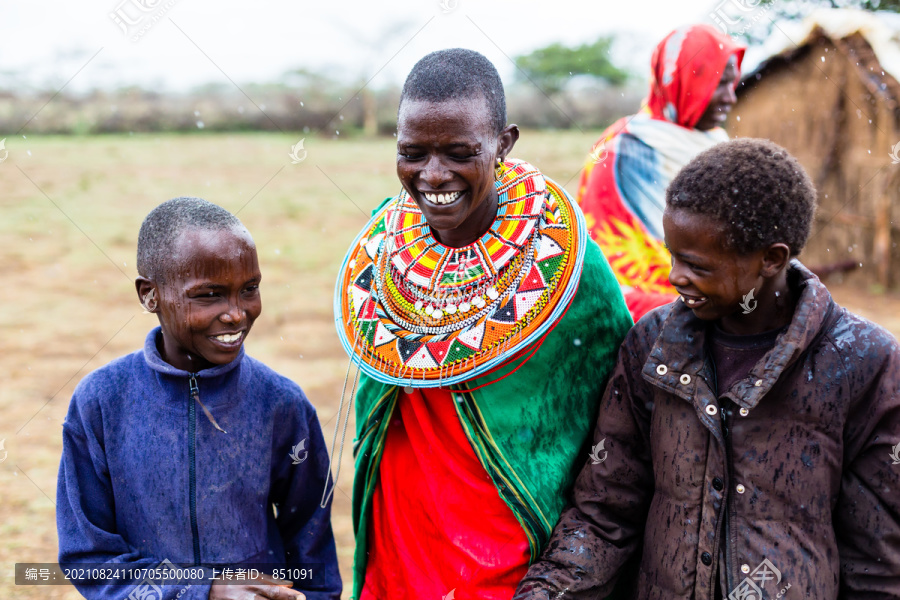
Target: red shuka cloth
{"x":438,"y":522}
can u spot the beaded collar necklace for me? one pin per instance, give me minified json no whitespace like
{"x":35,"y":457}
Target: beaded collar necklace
{"x":417,"y":311}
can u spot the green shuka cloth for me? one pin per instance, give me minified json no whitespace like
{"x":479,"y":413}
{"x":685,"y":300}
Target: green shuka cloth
{"x":530,"y":429}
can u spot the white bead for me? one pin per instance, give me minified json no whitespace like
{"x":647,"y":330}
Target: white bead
{"x":478,"y":301}
{"x":465,"y":307}
{"x":437,"y":314}
{"x":429,"y":310}
{"x":493,"y":294}
{"x":419,"y":304}
{"x":451,"y":309}
{"x":352,"y":263}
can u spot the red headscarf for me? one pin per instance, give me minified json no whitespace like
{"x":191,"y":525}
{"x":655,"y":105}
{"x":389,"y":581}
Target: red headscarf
{"x":687,"y":66}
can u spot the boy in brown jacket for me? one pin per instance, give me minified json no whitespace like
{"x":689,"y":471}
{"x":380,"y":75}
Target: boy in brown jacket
{"x":747,"y":443}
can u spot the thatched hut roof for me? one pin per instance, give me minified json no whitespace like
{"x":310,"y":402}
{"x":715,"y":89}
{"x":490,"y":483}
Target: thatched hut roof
{"x":827,"y":90}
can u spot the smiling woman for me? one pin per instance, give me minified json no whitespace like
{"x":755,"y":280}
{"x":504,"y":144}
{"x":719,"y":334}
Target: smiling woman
{"x":695,"y":70}
{"x":485,"y":323}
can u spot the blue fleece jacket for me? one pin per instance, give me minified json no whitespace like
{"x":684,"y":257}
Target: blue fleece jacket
{"x":146,"y":477}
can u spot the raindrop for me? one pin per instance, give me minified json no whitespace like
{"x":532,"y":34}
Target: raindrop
{"x":336,"y":132}
{"x":196,"y":113}
{"x":301,"y":103}
{"x":28,"y":152}
{"x":24,"y":138}
{"x":823,"y":59}
{"x":200,"y":125}
{"x":341,"y":117}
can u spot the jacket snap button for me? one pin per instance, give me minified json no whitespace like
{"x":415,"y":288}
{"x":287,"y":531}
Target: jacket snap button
{"x":711,"y":410}
{"x":706,"y":558}
{"x":685,"y":379}
{"x":744,"y":412}
{"x":745,"y":568}
{"x":662,"y":369}
{"x":718,"y":484}
{"x":740,"y":488}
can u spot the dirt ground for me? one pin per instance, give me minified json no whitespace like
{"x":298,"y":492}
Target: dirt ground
{"x":71,"y":212}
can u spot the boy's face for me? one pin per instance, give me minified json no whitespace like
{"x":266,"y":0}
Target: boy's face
{"x":711,"y":278}
{"x":210,"y":298}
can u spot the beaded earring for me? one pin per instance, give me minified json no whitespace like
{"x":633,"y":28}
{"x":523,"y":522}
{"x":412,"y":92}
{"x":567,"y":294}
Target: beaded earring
{"x":499,"y":170}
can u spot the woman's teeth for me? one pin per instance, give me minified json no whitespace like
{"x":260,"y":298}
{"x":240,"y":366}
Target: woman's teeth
{"x":229,"y":338}
{"x":691,"y":301}
{"x":442,"y":198}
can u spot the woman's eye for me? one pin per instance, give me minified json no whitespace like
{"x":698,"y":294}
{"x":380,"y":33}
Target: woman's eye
{"x":408,"y":156}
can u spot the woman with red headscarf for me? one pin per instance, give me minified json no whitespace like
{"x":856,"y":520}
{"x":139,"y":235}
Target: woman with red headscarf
{"x":622,"y":191}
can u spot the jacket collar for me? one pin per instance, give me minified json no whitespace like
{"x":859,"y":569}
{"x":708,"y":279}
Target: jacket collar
{"x":678,"y":357}
{"x":156,"y":362}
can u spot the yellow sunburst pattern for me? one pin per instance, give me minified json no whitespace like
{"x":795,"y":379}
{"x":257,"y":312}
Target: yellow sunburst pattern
{"x":638,"y":259}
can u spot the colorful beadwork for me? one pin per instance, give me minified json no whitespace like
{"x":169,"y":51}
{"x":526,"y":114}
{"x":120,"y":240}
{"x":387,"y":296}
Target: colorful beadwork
{"x":416,"y":312}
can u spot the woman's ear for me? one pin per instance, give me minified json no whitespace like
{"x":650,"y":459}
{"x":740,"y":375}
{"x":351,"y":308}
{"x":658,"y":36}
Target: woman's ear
{"x":506,"y":140}
{"x":146,"y":291}
{"x":775,"y":259}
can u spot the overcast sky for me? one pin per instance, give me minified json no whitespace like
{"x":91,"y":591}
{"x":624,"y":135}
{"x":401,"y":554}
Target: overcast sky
{"x":176,"y":44}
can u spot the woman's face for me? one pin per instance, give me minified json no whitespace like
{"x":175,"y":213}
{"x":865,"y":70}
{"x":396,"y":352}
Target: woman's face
{"x":722,"y":100}
{"x":446,"y":156}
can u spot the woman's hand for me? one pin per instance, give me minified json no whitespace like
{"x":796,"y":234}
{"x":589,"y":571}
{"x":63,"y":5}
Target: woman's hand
{"x":264,"y":587}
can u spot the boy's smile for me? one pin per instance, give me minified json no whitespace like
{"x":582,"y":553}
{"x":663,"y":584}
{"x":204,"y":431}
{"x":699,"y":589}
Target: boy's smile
{"x":209,"y":299}
{"x":713,"y":279}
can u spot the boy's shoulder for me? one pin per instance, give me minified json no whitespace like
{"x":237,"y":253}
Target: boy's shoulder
{"x":279,"y":388}
{"x":860,"y":340}
{"x":111,"y":377}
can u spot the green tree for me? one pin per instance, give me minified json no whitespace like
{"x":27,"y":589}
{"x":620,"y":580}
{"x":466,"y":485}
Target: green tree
{"x":553,"y":66}
{"x":792,"y":10}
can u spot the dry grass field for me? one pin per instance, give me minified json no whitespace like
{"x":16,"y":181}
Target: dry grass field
{"x":71,"y":209}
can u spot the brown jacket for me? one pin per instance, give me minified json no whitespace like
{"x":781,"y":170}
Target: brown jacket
{"x":792,"y":466}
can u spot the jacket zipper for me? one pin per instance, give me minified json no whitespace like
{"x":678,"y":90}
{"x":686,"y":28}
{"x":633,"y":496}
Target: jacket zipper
{"x":724,"y":405}
{"x":192,"y":460}
{"x":726,"y":409}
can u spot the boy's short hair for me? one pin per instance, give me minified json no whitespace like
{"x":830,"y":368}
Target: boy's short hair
{"x":457,"y":73}
{"x":758,"y":192}
{"x":165,"y":223}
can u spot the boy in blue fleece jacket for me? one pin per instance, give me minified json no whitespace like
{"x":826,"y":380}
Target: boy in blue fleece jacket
{"x":188,"y":451}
